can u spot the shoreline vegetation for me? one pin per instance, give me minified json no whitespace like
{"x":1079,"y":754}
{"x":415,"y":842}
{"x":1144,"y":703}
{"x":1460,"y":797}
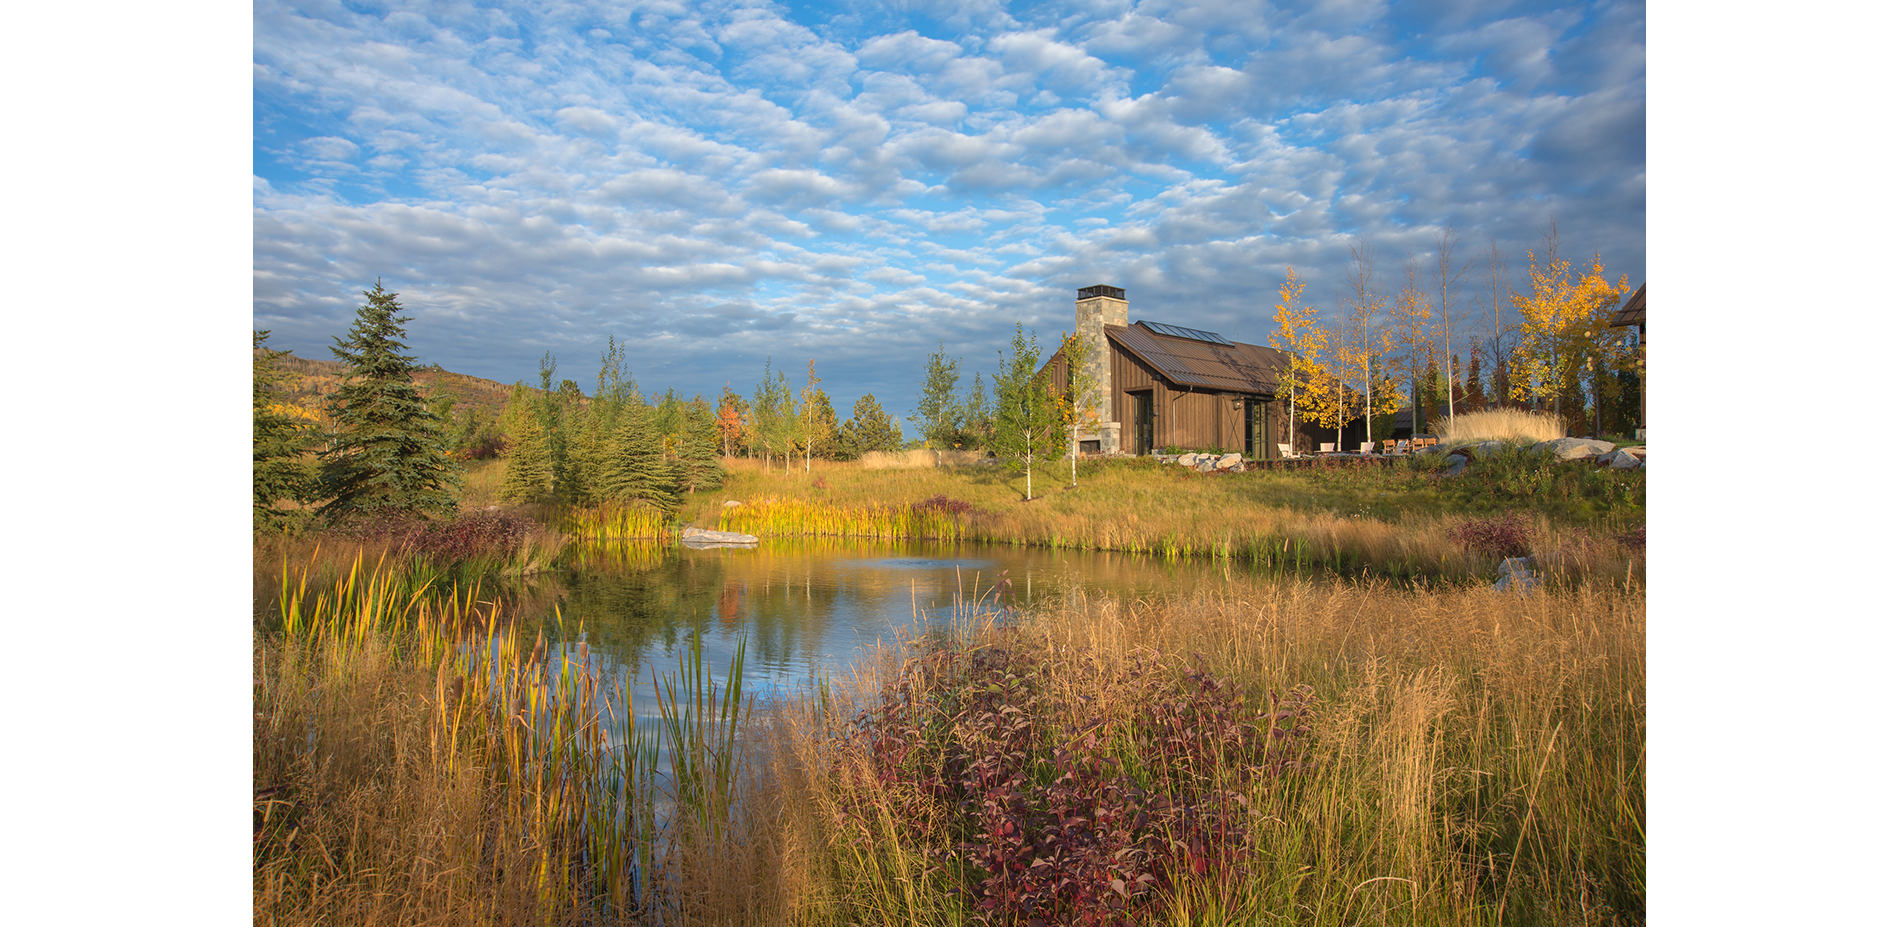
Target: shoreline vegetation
{"x":1383,"y":754}
{"x":1361,"y":731}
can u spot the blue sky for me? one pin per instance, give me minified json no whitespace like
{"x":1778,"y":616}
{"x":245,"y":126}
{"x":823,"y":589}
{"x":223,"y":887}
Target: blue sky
{"x":719,"y":183}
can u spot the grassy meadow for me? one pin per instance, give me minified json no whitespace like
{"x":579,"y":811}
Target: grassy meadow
{"x":1362,"y":733}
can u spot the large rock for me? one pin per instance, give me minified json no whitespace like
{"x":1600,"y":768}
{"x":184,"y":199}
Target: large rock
{"x":1228,"y":462}
{"x":1516,"y":574}
{"x":1622,"y":459}
{"x":1186,"y":460}
{"x":703,"y":539}
{"x":1575,"y":448}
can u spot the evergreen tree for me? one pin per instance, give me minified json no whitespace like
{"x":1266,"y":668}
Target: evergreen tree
{"x":869,"y":429}
{"x":1474,"y":383}
{"x":388,"y":453}
{"x":699,"y":448}
{"x":1428,"y":387}
{"x":635,"y":467}
{"x":937,"y":409}
{"x":529,"y":473}
{"x":279,"y":440}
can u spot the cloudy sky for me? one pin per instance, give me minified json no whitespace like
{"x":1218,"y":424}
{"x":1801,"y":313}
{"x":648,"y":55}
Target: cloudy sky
{"x":722,"y":182}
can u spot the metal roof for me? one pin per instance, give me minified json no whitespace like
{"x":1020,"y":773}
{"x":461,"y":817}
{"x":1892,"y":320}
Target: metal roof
{"x":1182,"y":331}
{"x":1632,"y":311}
{"x":1232,"y":367}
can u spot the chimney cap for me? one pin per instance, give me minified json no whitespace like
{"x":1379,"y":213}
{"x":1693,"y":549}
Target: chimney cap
{"x":1101,"y":289}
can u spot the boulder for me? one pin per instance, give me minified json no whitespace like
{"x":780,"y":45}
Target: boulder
{"x":1228,"y":462}
{"x":702,"y":539}
{"x":1622,"y":459}
{"x":1516,"y":574}
{"x":1186,"y":460}
{"x":731,"y":504}
{"x":1481,"y":449}
{"x":1457,"y":465}
{"x":1575,"y":448}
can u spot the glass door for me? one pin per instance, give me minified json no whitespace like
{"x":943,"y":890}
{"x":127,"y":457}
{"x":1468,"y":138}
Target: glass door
{"x":1144,"y":421}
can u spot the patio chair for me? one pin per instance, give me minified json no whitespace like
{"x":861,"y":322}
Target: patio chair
{"x":1286,"y":451}
{"x":1327,"y":447}
{"x":1365,"y":447}
{"x":1388,"y":446}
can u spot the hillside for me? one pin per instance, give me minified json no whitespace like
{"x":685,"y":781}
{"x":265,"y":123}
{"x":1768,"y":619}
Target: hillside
{"x":312,"y":380}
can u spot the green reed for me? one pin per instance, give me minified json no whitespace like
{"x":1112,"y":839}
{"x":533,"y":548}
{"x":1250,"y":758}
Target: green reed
{"x":411,"y":741}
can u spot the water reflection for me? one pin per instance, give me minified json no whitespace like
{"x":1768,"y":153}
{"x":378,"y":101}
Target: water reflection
{"x":806,"y":610}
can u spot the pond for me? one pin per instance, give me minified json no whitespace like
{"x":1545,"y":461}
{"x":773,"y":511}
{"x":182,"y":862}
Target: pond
{"x":806,"y":610}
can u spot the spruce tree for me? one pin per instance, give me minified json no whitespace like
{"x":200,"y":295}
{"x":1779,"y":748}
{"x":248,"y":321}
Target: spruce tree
{"x":698,"y":447}
{"x":279,"y":440}
{"x":635,"y":467}
{"x":529,"y":476}
{"x":388,"y":453}
{"x":869,"y":429}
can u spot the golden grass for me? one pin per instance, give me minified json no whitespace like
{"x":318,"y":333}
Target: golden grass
{"x":1257,"y":518}
{"x":1475,"y":757}
{"x":1498,"y":425}
{"x":917,"y":458}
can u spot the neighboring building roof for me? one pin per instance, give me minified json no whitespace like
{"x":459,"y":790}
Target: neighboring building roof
{"x":1234,"y":367}
{"x":1632,"y":311}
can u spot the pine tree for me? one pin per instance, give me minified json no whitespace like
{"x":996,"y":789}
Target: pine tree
{"x":1474,"y":383}
{"x":699,"y":466}
{"x":635,"y":465}
{"x":279,"y":440}
{"x":388,"y":453}
{"x":529,"y":473}
{"x":869,"y":429}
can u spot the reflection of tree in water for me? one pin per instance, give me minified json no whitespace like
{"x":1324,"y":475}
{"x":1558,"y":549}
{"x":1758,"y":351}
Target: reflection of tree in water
{"x":631,"y":599}
{"x":803,"y":605}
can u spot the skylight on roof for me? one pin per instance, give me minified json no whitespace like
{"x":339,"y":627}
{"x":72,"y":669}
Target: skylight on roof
{"x":1181,"y":331}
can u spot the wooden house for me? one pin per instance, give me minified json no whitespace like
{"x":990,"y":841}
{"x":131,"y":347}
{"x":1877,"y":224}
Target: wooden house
{"x":1160,"y":385}
{"x":1635,"y":312}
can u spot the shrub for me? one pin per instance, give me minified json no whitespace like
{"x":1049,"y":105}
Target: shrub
{"x":941,"y":503}
{"x":1060,"y":812}
{"x":1507,"y":535}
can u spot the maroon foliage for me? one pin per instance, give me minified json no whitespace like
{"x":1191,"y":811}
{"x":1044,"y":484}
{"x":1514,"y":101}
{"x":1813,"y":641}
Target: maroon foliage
{"x":1507,"y":535}
{"x":1058,"y":822}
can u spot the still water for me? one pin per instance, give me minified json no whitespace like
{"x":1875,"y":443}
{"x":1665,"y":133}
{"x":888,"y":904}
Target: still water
{"x":807,"y":610}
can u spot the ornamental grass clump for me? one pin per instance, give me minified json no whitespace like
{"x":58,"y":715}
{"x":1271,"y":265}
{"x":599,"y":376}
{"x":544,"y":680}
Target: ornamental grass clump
{"x":1042,"y":805}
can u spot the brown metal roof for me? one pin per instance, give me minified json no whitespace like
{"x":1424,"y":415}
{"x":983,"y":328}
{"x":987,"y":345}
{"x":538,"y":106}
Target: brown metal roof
{"x":1632,"y":311}
{"x":1235,"y":368}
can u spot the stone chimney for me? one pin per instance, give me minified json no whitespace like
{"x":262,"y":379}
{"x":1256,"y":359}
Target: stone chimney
{"x":1096,"y":306}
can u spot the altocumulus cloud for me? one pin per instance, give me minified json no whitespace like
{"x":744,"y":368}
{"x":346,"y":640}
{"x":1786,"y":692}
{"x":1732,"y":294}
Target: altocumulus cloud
{"x":719,"y":183}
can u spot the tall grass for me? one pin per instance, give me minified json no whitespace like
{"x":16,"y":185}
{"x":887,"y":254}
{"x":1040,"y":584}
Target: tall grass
{"x":1454,"y":756}
{"x":1497,"y":425}
{"x":1466,"y":758}
{"x":615,"y":521}
{"x":417,"y":760}
{"x":918,"y":458}
{"x":1154,"y":518}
